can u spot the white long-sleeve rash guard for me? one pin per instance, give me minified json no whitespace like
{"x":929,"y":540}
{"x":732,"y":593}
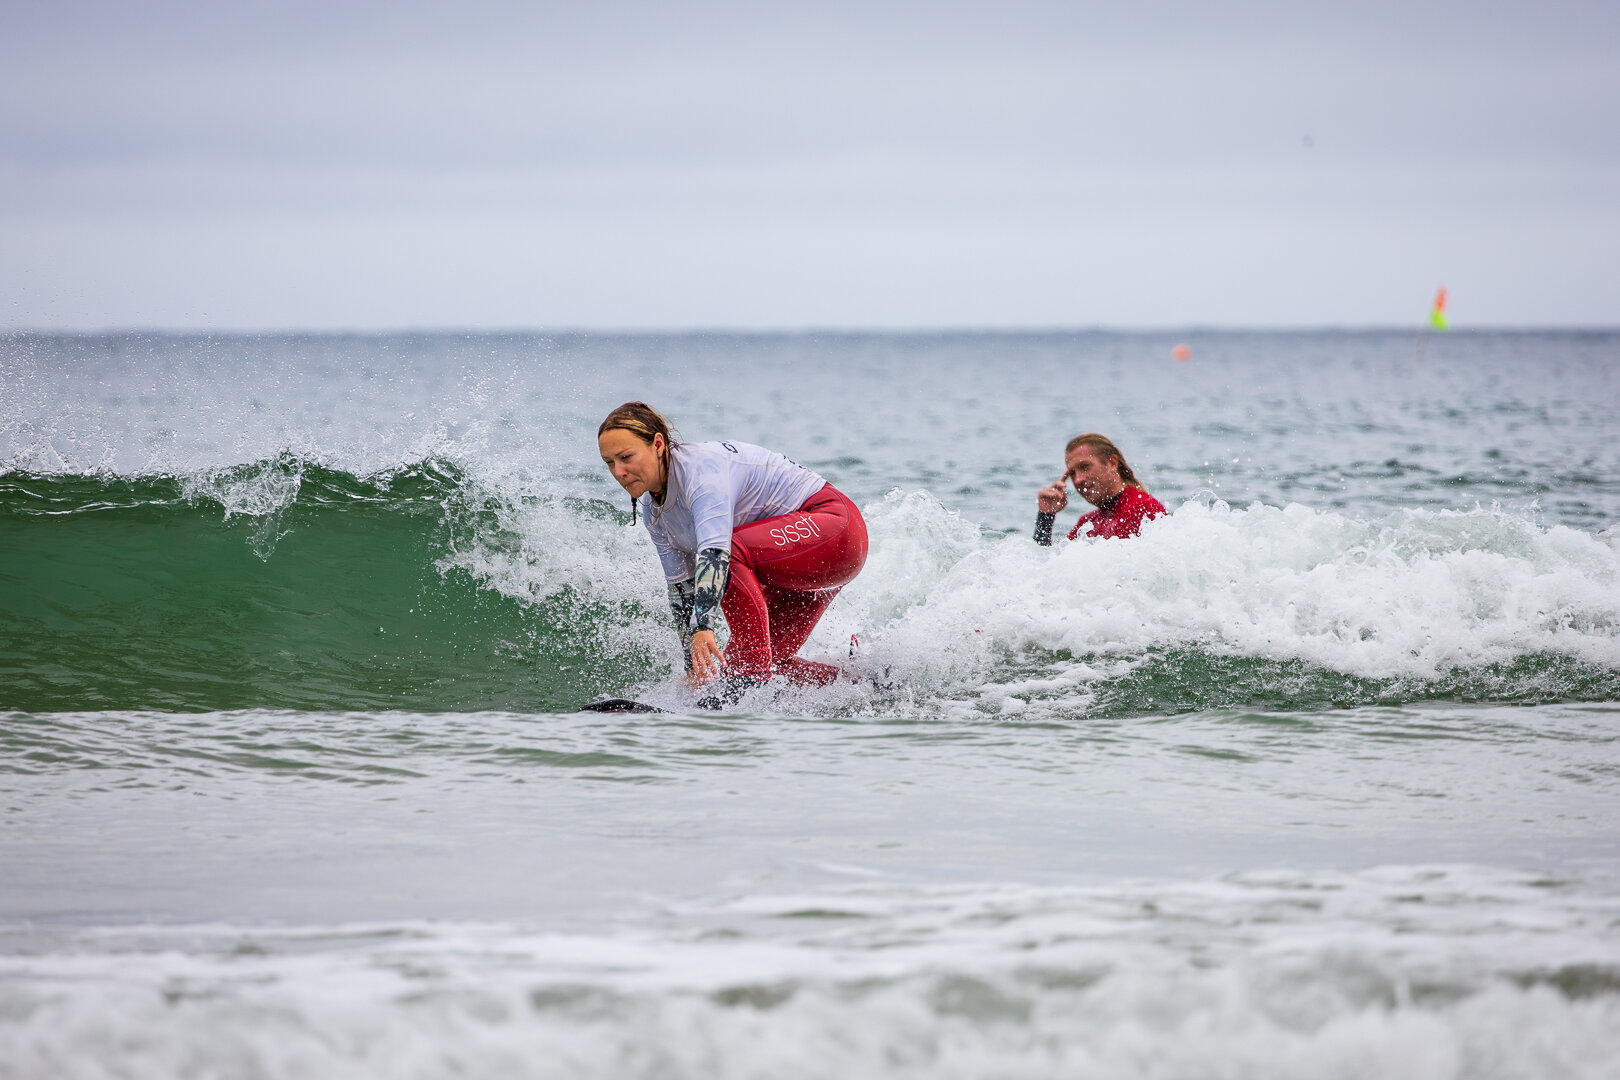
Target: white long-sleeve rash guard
{"x":712,"y":488}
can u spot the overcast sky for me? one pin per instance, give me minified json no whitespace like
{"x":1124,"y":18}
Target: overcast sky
{"x":222,"y":165}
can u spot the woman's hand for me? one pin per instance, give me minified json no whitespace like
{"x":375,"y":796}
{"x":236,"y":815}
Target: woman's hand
{"x":1052,"y":499}
{"x":705,"y":656}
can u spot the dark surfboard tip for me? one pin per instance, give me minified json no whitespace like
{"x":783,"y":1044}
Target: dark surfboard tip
{"x":619,"y":705}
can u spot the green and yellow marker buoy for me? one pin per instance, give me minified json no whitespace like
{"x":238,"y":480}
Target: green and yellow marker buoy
{"x":1437,"y":314}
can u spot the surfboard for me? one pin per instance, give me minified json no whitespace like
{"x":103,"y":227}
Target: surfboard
{"x":620,"y":705}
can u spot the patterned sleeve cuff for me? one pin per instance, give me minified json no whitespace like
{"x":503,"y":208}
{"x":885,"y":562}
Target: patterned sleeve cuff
{"x":709,"y":582}
{"x":681,"y":596}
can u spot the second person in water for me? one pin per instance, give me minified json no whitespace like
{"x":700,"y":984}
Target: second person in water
{"x":742,"y":529}
{"x":1102,"y":478}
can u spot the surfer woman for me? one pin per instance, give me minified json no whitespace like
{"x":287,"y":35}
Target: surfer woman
{"x":1103,"y":479}
{"x":743,"y":529}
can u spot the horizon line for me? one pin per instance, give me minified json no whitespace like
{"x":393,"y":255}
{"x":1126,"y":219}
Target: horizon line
{"x":447,"y":330}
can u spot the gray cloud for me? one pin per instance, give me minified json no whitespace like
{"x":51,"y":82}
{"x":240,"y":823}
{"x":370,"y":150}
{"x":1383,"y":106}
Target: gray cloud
{"x":675,"y":165}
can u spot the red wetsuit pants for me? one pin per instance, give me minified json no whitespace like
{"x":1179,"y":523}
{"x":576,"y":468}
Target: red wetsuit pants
{"x":785,"y":570}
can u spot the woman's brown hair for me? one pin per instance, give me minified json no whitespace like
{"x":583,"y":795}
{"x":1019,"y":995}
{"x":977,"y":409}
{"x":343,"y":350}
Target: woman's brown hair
{"x":1104,"y":447}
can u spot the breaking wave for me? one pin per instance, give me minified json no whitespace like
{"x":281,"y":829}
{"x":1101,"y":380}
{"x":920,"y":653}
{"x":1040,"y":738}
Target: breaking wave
{"x":289,"y":584}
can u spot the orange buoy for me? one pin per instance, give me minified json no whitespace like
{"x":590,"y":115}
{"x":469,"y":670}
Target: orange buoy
{"x":1182,"y":353}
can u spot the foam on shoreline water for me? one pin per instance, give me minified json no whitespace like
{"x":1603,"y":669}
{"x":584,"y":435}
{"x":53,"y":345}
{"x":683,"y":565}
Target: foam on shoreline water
{"x":1421,"y":972}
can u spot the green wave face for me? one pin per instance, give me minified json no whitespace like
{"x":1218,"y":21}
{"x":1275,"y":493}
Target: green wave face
{"x":141,"y":593}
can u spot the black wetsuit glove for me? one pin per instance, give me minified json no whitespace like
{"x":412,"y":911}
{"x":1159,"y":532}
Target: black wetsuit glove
{"x":1043,"y":527}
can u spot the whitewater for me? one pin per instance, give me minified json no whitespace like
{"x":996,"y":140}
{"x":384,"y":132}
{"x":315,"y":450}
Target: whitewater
{"x":1320,"y":775}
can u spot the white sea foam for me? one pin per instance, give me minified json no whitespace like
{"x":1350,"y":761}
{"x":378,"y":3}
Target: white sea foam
{"x":945,"y":608}
{"x":539,"y":549}
{"x":258,"y":491}
{"x":1413,"y":972}
{"x":261,"y":491}
{"x":1413,"y":595}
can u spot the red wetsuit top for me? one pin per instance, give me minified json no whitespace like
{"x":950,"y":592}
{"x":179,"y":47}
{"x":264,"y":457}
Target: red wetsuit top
{"x":1119,"y":517}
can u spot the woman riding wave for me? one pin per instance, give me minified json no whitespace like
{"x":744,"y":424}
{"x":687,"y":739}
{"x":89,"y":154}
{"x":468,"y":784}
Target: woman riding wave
{"x":742,"y":529}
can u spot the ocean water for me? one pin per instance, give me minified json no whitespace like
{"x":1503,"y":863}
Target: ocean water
{"x":1319,"y":777}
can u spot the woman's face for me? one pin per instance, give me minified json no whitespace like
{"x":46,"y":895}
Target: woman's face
{"x":637,"y":466}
